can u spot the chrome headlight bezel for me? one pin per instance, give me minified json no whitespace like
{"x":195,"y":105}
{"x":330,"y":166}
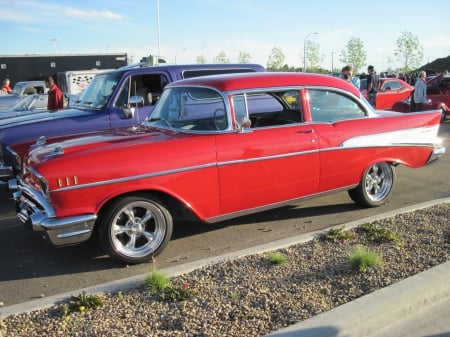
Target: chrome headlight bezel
{"x":38,"y":181}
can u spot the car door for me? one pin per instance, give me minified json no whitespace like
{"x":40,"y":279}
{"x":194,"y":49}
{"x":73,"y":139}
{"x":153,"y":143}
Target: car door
{"x":267,"y":163}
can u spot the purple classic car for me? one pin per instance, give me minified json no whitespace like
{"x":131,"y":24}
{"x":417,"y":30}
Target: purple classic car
{"x":105,"y":104}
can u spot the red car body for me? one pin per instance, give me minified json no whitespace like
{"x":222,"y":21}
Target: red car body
{"x":215,"y":148}
{"x":390,"y":91}
{"x":438,"y":91}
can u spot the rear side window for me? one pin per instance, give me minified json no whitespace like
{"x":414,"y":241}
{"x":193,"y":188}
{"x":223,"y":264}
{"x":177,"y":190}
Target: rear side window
{"x":330,"y":106}
{"x":266,"y":109}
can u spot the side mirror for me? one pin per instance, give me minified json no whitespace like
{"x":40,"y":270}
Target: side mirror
{"x":130,"y":110}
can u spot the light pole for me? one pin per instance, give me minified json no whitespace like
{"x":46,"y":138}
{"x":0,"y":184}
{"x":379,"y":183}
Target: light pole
{"x":179,"y":51}
{"x":55,"y":40}
{"x":304,"y":50}
{"x":332,"y":62}
{"x":158,"y":29}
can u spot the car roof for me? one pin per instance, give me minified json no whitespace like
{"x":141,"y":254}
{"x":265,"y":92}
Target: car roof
{"x":229,"y":82}
{"x":185,"y":67}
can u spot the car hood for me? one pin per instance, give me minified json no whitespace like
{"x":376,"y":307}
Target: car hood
{"x":45,"y":115}
{"x":119,"y":138}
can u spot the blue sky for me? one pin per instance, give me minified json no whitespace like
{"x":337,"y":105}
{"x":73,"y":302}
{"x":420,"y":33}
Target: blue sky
{"x":189,"y":28}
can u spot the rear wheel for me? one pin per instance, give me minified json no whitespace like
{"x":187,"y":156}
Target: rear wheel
{"x":134,"y":229}
{"x":375,"y":186}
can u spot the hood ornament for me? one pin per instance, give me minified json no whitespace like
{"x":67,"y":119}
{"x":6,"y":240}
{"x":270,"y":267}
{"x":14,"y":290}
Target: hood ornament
{"x":41,"y":141}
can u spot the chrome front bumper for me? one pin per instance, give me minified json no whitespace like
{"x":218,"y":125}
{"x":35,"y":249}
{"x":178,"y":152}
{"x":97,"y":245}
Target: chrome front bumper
{"x":35,"y":213}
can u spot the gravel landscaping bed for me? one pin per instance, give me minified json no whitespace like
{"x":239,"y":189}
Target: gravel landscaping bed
{"x":251,"y":296}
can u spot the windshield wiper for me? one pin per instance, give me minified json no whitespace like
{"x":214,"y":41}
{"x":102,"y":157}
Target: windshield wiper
{"x":165,"y":121}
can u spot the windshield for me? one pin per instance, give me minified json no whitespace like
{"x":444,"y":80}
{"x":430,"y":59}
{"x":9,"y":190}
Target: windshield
{"x":98,"y":92}
{"x":18,"y":88}
{"x":25,"y":103}
{"x":190,"y":108}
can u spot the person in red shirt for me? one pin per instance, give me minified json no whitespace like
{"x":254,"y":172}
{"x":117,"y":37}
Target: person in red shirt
{"x":5,"y":87}
{"x":55,"y":96}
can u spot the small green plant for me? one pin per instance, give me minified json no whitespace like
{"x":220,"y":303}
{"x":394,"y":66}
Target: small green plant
{"x":377,"y":233}
{"x":156,"y":281}
{"x":276,"y":258}
{"x":336,"y":234}
{"x":177,"y":292}
{"x":83,"y":302}
{"x":362,"y":258}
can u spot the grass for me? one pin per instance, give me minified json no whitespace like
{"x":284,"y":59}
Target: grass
{"x":276,"y":258}
{"x":155,"y":281}
{"x":362,"y":258}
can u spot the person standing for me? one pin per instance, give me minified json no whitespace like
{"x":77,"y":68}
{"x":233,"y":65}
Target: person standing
{"x":6,"y":86}
{"x":55,"y":96}
{"x":420,"y":91}
{"x":372,"y":86}
{"x":347,"y":74}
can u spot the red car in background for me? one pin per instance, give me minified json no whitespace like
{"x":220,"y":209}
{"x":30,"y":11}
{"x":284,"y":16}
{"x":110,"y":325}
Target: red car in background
{"x":390,"y":91}
{"x":438,"y":91}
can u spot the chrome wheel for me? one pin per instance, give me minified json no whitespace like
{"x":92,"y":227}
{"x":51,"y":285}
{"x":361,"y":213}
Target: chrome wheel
{"x":375,"y":186}
{"x":135,"y":229}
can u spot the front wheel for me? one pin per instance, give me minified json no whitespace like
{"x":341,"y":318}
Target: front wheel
{"x":375,"y":186}
{"x":134,"y":229}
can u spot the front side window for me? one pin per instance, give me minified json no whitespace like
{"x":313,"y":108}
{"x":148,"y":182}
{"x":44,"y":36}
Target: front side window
{"x":190,"y":108}
{"x":147,"y":86}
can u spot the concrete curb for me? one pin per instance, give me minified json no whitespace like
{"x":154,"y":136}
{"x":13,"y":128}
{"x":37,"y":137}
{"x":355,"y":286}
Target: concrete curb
{"x":135,"y":281}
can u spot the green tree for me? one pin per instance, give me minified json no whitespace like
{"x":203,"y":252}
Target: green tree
{"x":201,"y":59}
{"x":409,"y":51}
{"x":312,"y":54}
{"x":222,"y":58}
{"x":276,"y":59}
{"x":244,"y":57}
{"x":354,"y":54}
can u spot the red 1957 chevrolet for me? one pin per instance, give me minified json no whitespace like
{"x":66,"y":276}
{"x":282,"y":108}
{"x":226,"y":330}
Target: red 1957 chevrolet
{"x":214,"y":148}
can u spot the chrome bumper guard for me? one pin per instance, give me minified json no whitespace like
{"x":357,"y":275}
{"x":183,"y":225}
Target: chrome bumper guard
{"x":6,"y":172}
{"x":36,"y":214}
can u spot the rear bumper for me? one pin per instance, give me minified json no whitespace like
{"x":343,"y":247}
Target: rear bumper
{"x":36,"y":214}
{"x":437,"y":152}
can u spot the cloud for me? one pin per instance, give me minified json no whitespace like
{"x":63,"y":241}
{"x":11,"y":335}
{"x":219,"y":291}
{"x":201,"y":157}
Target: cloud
{"x":92,"y":14}
{"x":33,"y":11}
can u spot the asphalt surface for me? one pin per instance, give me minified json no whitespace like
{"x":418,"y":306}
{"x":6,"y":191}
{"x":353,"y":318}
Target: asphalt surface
{"x":415,"y":307}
